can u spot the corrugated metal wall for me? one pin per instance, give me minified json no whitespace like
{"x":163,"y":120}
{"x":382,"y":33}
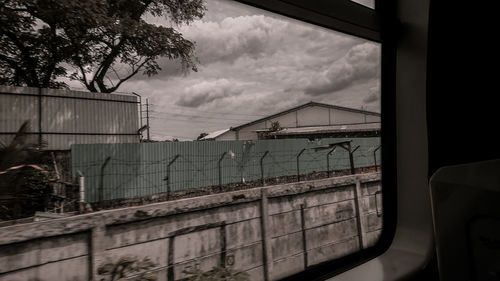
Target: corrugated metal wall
{"x":69,"y":117}
{"x":139,"y":169}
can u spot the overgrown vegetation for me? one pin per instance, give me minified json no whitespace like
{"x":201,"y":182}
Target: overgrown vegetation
{"x":25,"y":184}
{"x":202,"y":135}
{"x":127,"y":268}
{"x":133,"y":268}
{"x":218,"y":273}
{"x":275,"y":126}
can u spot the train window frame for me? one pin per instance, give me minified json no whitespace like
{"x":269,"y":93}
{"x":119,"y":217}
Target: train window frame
{"x":395,"y":255}
{"x":397,"y":25}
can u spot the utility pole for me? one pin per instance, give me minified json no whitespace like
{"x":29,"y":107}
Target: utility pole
{"x":147,"y":118}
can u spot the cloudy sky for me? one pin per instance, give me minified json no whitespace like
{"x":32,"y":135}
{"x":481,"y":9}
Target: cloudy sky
{"x":254,"y":63}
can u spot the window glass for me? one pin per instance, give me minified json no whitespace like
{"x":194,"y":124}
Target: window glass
{"x":261,"y":152}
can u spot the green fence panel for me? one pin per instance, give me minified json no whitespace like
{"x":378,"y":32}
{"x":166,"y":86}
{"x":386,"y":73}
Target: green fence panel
{"x":127,"y":170}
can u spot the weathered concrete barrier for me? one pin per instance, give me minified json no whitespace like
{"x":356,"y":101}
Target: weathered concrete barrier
{"x":268,"y":232}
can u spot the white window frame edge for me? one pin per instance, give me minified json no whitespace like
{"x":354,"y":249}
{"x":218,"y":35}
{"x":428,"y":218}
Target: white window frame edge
{"x":413,"y":244}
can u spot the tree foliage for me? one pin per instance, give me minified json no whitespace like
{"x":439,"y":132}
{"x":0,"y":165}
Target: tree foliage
{"x":275,"y":126}
{"x":101,"y":43}
{"x":127,"y":268}
{"x":217,"y":273}
{"x":202,"y":135}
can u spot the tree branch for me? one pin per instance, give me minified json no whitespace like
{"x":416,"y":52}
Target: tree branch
{"x":134,"y":72}
{"x":115,"y":72}
{"x":110,"y":82}
{"x":53,"y":61}
{"x":106,"y":64}
{"x":84,"y":76}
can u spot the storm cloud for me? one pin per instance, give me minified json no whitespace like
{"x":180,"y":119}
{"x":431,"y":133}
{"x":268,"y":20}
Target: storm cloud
{"x":252,"y":64}
{"x":206,"y":92}
{"x":362,"y":62}
{"x":373,"y":94}
{"x":259,"y":36}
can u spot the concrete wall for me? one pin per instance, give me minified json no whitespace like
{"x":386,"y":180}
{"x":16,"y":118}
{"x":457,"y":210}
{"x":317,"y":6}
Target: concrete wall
{"x":67,"y":117}
{"x":269,"y":232}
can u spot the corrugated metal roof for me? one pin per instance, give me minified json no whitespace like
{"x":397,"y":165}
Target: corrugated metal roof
{"x":328,"y":129}
{"x":215,"y":134}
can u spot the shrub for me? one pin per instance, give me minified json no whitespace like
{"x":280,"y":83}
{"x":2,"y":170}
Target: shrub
{"x":127,"y":268}
{"x":217,"y":273}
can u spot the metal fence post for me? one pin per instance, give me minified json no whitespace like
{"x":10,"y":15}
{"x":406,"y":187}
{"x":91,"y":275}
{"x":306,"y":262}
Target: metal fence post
{"x":344,"y":145}
{"x":220,"y":168}
{"x":328,"y":161}
{"x":81,"y":185}
{"x":168,"y":175}
{"x":298,"y":166}
{"x":351,"y":159}
{"x":262,"y":166}
{"x":375,"y":157}
{"x":101,"y":180}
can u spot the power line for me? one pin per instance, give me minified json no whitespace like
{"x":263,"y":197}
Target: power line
{"x":198,"y":116}
{"x":213,"y":112}
{"x":188,"y":120}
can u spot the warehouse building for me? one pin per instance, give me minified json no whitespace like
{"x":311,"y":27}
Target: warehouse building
{"x":311,"y":120}
{"x":61,"y":118}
